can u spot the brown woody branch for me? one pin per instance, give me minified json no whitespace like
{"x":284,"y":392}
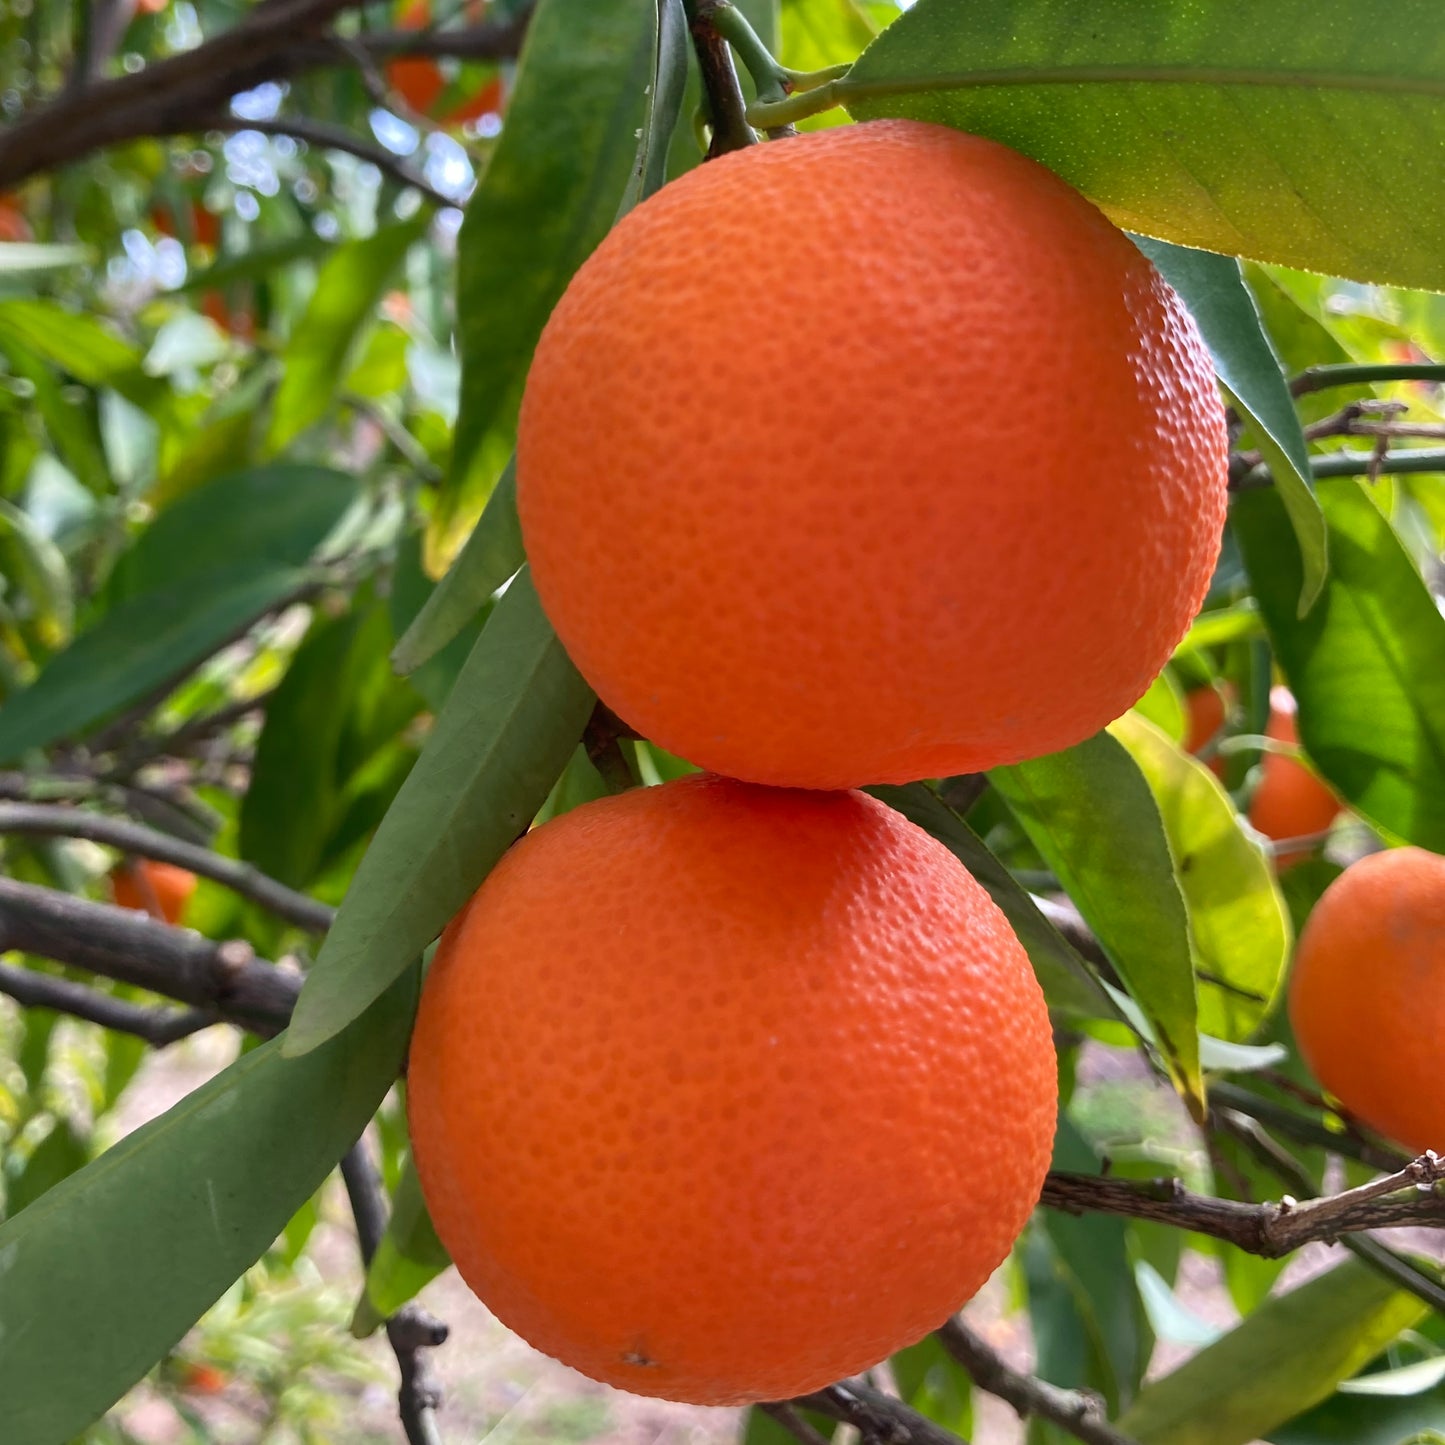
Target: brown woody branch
{"x":181,"y":94}
{"x":53,"y":821}
{"x":157,"y":1026}
{"x":412,"y":1329}
{"x":1080,"y":1413}
{"x":879,"y":1419}
{"x":226,"y":980}
{"x":1407,"y":1197}
{"x":727,"y":110}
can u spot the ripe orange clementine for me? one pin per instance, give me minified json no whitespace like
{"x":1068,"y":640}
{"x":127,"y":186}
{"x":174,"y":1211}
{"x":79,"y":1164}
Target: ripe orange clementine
{"x":13,"y":225}
{"x":837,"y":550}
{"x":1289,"y":801}
{"x":1367,"y":996}
{"x":160,"y":889}
{"x":720,"y":1092}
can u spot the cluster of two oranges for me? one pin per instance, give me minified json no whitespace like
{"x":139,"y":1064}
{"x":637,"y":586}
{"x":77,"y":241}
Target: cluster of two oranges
{"x":873,"y":456}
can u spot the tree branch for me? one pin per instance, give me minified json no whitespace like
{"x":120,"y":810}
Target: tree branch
{"x":180,"y":94}
{"x":412,"y":1329}
{"x":1407,"y":1197}
{"x":879,"y":1419}
{"x":157,"y":1026}
{"x":225,"y":979}
{"x":725,"y":104}
{"x":1081,"y":1414}
{"x":53,"y":821}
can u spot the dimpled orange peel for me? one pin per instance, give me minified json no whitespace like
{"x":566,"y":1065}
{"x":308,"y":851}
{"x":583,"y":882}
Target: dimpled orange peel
{"x":721,"y":1093}
{"x":870,"y":455}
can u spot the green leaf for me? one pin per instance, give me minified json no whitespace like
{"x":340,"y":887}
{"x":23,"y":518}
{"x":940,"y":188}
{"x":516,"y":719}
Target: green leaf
{"x":408,"y":1258}
{"x":1068,"y":984}
{"x":1213,"y":288}
{"x":136,"y":648}
{"x":506,"y":732}
{"x":298,"y":794}
{"x":31,"y":561}
{"x":548,"y":196}
{"x":1288,"y":1355}
{"x":1346,"y":1420}
{"x":1093,"y":1255}
{"x":323,"y":347}
{"x":491,"y":554}
{"x":820,"y":33}
{"x":1273,"y":131}
{"x":105,"y":1274}
{"x":931,"y":1382}
{"x":274,"y":516}
{"x":82,"y":346}
{"x":665,"y":91}
{"x":1237,"y":916}
{"x":1365,"y":665}
{"x":56,"y":1157}
{"x":1090,"y":813}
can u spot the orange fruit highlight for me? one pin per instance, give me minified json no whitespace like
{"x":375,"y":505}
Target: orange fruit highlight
{"x":721,"y":1093}
{"x":782,"y":501}
{"x":160,"y":889}
{"x":1289,"y":801}
{"x":1367,"y":996}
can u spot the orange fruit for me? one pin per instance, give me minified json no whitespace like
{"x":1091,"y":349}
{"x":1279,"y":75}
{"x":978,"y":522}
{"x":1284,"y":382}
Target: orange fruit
{"x":837,"y":550}
{"x":721,"y":1093}
{"x":1204,"y":711}
{"x":1289,"y":801}
{"x":13,"y":225}
{"x":1367,"y":995}
{"x":487,"y":101}
{"x":160,"y":889}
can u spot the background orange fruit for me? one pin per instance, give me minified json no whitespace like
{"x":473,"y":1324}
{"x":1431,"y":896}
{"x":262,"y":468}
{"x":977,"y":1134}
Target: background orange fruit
{"x":1289,"y":800}
{"x":721,"y":1093}
{"x":786,"y":504}
{"x":1367,"y":996}
{"x":148,"y":886}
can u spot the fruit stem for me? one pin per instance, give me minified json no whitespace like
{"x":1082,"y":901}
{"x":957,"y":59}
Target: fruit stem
{"x":727,"y":111}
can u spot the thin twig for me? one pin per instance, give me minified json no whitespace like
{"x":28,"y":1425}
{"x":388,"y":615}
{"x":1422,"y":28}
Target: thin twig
{"x":879,"y":1419}
{"x":224,"y":979}
{"x":56,"y":821}
{"x":1406,"y":1197}
{"x":157,"y":1026}
{"x":1078,"y":1412}
{"x":412,"y":1329}
{"x":326,"y":136}
{"x":727,"y":111}
{"x":795,"y":1423}
{"x":195,"y":730}
{"x":1319,"y":378}
{"x":1351,"y":1143}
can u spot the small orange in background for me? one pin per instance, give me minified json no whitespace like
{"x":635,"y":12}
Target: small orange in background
{"x":160,"y":889}
{"x":1205,"y":709}
{"x":203,"y":1379}
{"x":1289,"y":801}
{"x":13,"y":225}
{"x":823,"y":583}
{"x":721,"y":1093}
{"x":1367,"y":996}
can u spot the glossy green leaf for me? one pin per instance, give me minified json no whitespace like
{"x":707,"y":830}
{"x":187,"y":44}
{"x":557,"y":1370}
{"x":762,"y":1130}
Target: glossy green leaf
{"x":1354,"y":1420}
{"x":1213,"y":288}
{"x":665,"y":90}
{"x":105,"y":1273}
{"x":1090,"y":813}
{"x":548,"y":196}
{"x":274,"y":516}
{"x":1288,"y":1355}
{"x":136,"y":648}
{"x":314,"y":741}
{"x":1068,"y":984}
{"x":506,"y":732}
{"x":1205,"y":123}
{"x":323,"y":347}
{"x":491,"y":554}
{"x":1237,"y":917}
{"x":408,"y":1258}
{"x":1367,"y":665}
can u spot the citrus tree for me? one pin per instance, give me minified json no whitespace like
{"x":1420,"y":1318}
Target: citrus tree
{"x":1000,"y":442}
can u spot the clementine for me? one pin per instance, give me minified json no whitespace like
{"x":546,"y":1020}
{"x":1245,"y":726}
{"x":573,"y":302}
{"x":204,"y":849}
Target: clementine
{"x":721,"y":1093}
{"x":1289,"y":801}
{"x":829,"y":557}
{"x":160,"y":889}
{"x":1367,"y":995}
